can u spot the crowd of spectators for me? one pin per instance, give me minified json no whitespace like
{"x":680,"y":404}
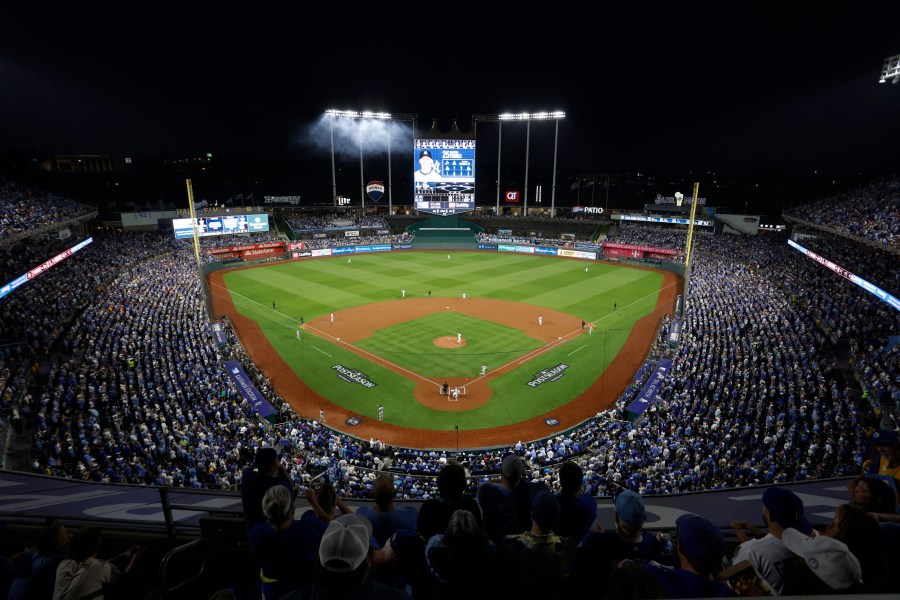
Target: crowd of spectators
{"x":136,"y":392}
{"x":24,"y":208}
{"x":871,"y":212}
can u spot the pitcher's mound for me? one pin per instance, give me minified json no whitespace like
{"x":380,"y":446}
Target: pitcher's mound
{"x":448,"y":342}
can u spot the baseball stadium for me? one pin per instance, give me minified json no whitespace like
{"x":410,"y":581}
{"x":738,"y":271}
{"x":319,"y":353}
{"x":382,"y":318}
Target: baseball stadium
{"x":679,"y":368}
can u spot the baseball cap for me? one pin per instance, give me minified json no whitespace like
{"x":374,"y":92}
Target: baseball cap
{"x":786,"y":508}
{"x":345,"y":543}
{"x":512,"y":467}
{"x":886,"y":437}
{"x":699,"y":538}
{"x":830,"y":559}
{"x":545,"y":510}
{"x":425,"y":153}
{"x":630,"y":507}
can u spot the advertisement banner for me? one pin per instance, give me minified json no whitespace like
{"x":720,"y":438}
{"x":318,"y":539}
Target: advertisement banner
{"x":487,"y":246}
{"x":302,"y":254}
{"x":374,"y":248}
{"x":525,"y":249}
{"x":382,"y":232}
{"x":259,"y":404}
{"x":343,"y":250}
{"x":242,"y":248}
{"x":650,"y":390}
{"x":506,"y":248}
{"x":353,"y":233}
{"x":576,"y":253}
{"x":218,"y":334}
{"x":261,"y":253}
{"x":402,"y":246}
{"x":322,"y":252}
{"x":542,"y":250}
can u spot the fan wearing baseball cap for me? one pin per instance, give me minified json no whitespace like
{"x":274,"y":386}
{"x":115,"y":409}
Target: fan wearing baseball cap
{"x":700,"y":545}
{"x":428,"y":168}
{"x":887,"y":445}
{"x":345,"y":564}
{"x":781,"y":509}
{"x":823,"y":565}
{"x":600,"y":551}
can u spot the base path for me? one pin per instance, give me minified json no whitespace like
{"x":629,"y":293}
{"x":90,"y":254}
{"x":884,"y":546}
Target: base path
{"x":360,"y":322}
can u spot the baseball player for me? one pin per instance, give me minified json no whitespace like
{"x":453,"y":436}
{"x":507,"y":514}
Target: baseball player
{"x":540,"y":320}
{"x":456,"y":394}
{"x":448,"y":257}
{"x":591,"y":329}
{"x":585,"y":269}
{"x":464,"y":295}
{"x":483,"y":369}
{"x":331,"y":316}
{"x":582,"y":324}
{"x":298,"y":334}
{"x":321,"y":415}
{"x":403,"y":293}
{"x":380,"y":412}
{"x":459,"y":338}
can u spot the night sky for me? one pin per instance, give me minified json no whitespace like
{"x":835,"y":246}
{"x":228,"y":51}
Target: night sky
{"x":731,"y":87}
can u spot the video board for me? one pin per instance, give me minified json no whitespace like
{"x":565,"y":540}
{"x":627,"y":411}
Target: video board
{"x":221,"y":225}
{"x":444,"y":176}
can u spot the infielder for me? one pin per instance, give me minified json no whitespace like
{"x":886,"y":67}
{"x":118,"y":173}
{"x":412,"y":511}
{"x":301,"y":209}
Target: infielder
{"x":331,"y":316}
{"x":459,"y":338}
{"x":380,"y":412}
{"x":464,"y":295}
{"x":591,"y":329}
{"x":540,"y":321}
{"x":403,"y":293}
{"x":483,"y":369}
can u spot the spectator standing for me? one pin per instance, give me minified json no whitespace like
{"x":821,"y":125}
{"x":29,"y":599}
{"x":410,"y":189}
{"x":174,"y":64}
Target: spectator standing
{"x":385,"y":517}
{"x":578,"y":510}
{"x":782,"y":508}
{"x":255,"y":483}
{"x":506,"y":506}
{"x":435,"y":513}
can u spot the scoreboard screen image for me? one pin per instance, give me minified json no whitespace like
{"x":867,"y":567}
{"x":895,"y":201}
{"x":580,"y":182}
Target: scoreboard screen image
{"x":444,"y":176}
{"x":221,"y":225}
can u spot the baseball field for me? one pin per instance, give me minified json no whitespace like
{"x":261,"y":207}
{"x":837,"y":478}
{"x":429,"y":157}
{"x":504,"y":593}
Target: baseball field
{"x":390,"y":329}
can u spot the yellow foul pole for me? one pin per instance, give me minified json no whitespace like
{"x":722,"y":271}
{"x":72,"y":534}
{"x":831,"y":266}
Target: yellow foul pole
{"x":690,"y":235}
{"x":190,"y":192}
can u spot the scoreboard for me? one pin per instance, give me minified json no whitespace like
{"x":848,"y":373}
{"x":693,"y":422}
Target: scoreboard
{"x":444,"y":176}
{"x":221,"y":225}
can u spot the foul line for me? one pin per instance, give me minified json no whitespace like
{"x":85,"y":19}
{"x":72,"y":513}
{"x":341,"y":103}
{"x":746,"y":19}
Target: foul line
{"x":574,"y":351}
{"x":320,"y":350}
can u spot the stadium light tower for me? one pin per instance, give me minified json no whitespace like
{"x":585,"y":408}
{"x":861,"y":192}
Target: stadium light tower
{"x":364,"y":115}
{"x":528,"y":118}
{"x":891,"y":69}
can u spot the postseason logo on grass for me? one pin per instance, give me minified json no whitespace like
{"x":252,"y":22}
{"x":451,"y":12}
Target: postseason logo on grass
{"x":551,"y":374}
{"x":353,"y":376}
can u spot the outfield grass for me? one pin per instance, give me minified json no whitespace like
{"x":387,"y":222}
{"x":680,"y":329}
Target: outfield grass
{"x":314,"y":288}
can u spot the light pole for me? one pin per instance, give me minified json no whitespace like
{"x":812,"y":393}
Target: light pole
{"x":352,"y":114}
{"x":528,"y":117}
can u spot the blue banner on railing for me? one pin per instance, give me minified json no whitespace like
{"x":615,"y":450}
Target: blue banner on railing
{"x":249,"y":391}
{"x":343,"y":250}
{"x":487,"y":246}
{"x":218,"y":334}
{"x":650,"y":390}
{"x":402,"y":246}
{"x":544,"y":250}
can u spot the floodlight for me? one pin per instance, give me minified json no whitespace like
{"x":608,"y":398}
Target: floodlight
{"x":891,"y":69}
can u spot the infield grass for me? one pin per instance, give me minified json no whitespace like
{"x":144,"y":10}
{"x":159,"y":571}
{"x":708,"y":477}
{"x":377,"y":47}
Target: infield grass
{"x":314,"y":288}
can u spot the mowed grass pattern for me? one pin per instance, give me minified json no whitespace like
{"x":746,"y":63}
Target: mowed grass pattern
{"x":411,"y":345}
{"x":314,"y":288}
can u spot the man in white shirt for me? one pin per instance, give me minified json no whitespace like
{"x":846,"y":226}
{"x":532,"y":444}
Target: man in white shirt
{"x":782,"y":509}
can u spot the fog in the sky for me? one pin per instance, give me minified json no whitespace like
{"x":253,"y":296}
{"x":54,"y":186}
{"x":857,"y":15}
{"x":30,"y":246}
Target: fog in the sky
{"x":378,"y":136}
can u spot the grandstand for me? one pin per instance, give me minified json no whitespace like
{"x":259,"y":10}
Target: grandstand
{"x":113,"y":383}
